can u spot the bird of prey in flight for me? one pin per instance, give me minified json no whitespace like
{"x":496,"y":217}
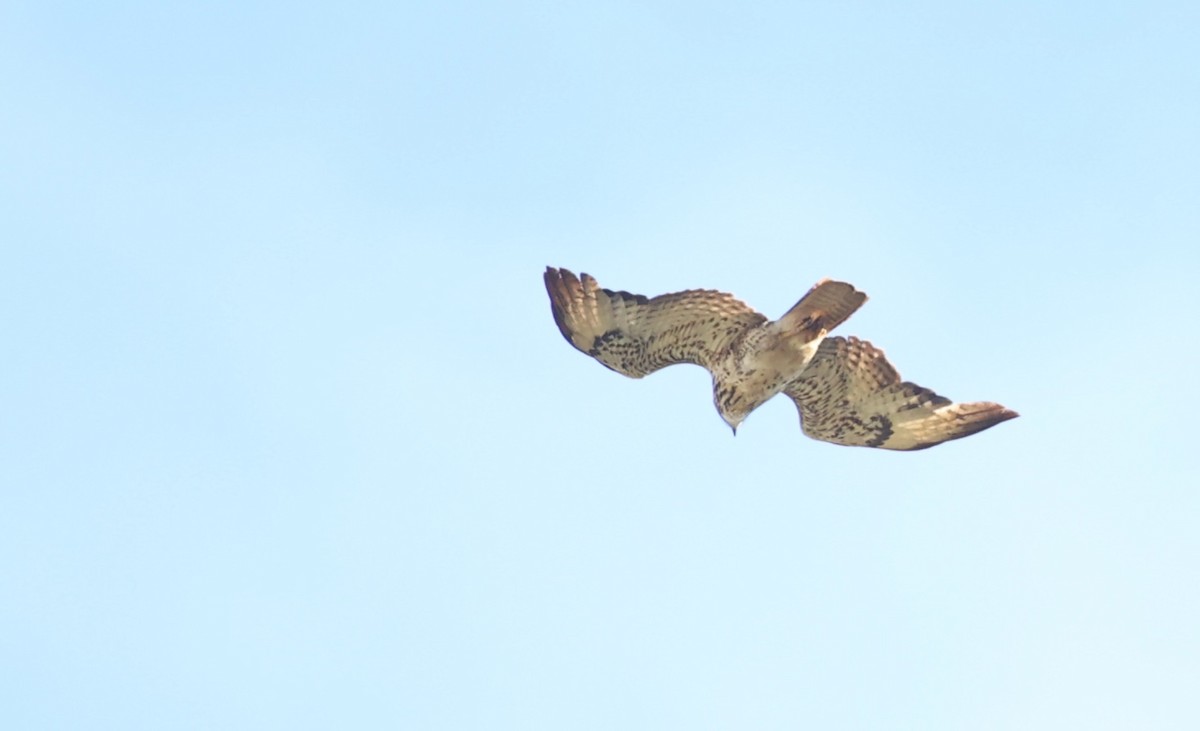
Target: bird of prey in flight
{"x":845,"y":389}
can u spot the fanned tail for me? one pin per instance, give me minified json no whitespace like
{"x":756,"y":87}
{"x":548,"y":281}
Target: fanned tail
{"x":826,"y":306}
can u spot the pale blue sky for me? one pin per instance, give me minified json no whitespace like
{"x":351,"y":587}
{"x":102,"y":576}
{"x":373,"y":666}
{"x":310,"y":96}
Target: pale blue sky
{"x":289,"y":440}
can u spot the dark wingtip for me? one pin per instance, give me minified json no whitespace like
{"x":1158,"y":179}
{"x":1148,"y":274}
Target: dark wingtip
{"x":558,"y":283}
{"x":972,"y":419}
{"x":984,"y":416}
{"x":1002,"y":414}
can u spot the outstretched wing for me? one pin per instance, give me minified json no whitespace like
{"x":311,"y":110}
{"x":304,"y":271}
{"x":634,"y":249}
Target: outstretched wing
{"x":636,"y":335}
{"x":849,"y":394}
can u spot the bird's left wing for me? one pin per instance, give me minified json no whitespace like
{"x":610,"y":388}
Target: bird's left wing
{"x":637,"y":335}
{"x":849,"y":394}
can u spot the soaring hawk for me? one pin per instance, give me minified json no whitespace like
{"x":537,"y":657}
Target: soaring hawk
{"x":845,"y":389}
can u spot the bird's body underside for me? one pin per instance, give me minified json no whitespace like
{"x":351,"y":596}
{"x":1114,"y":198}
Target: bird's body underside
{"x":846,"y":391}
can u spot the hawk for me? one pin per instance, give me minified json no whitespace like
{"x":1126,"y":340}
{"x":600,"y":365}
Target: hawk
{"x":844,"y":388}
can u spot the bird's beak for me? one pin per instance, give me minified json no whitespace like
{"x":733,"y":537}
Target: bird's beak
{"x":734,"y":428}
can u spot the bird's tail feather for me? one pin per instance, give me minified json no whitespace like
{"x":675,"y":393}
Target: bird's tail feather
{"x":826,"y":306}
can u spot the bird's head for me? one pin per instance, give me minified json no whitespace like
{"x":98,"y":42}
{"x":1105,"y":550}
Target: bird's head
{"x":732,"y":405}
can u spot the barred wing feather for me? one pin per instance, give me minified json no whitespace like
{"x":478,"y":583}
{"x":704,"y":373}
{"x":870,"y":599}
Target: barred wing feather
{"x":850,"y":394}
{"x":637,"y":335}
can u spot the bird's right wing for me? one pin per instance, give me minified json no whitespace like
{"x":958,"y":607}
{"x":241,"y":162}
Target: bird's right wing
{"x":849,"y":394}
{"x":637,"y":335}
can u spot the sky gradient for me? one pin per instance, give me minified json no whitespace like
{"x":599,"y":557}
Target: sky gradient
{"x":289,"y":439}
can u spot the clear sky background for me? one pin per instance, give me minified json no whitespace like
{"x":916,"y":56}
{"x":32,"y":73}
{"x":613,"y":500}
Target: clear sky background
{"x":289,"y":440}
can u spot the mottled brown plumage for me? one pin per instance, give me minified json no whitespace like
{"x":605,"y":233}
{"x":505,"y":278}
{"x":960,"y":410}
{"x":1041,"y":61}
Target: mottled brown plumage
{"x":845,"y":389}
{"x":849,"y":394}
